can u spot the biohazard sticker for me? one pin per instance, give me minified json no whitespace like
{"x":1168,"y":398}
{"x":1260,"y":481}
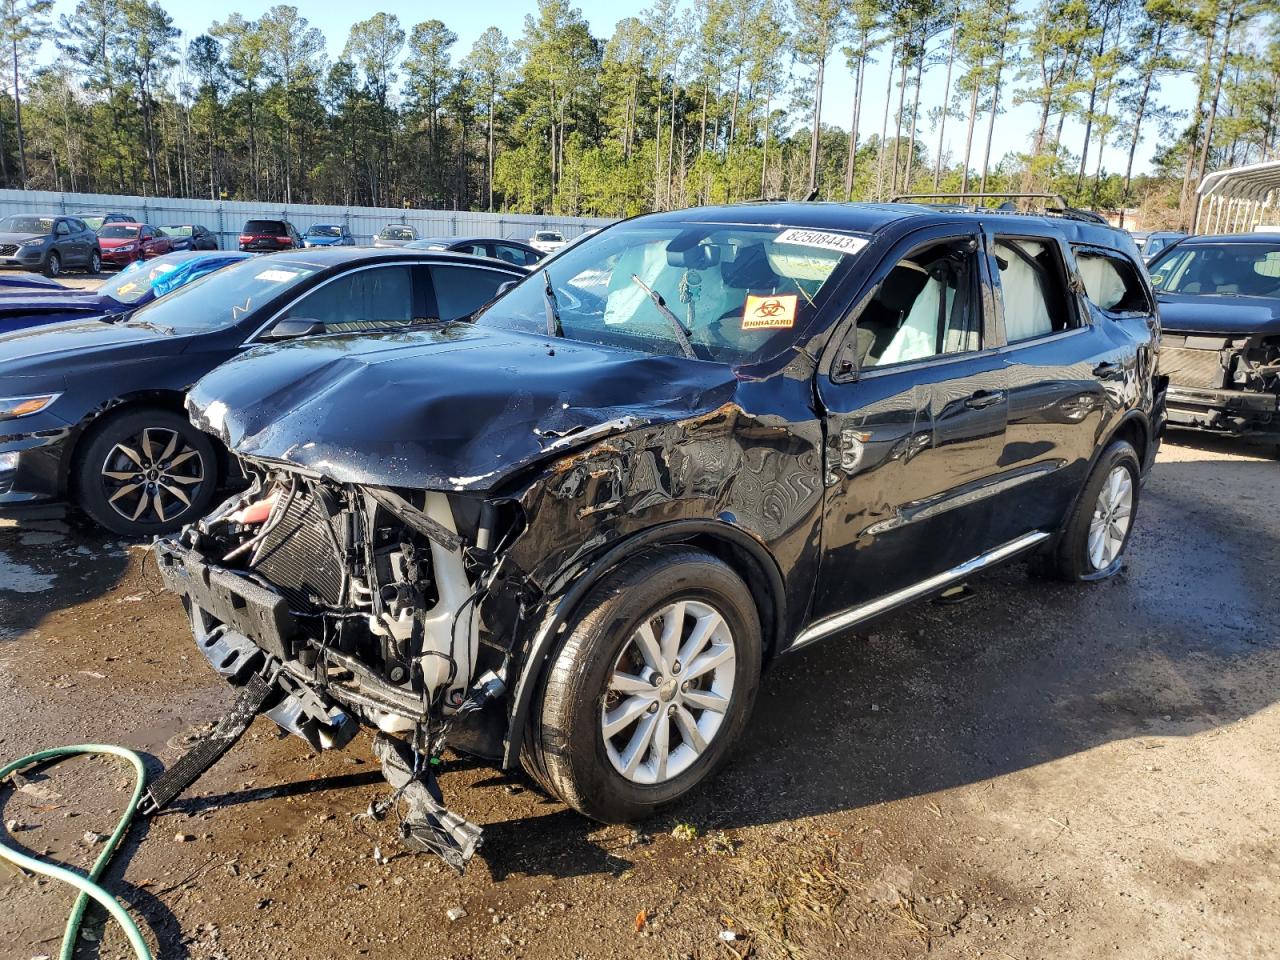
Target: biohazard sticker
{"x":773,"y":312}
{"x":839,"y":242}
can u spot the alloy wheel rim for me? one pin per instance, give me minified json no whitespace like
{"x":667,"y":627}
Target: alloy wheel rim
{"x":669,"y":692}
{"x":153,"y":476}
{"x":55,"y":264}
{"x":1111,"y":518}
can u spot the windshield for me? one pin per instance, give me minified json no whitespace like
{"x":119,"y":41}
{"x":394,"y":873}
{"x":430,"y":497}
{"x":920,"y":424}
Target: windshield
{"x":398,"y":233}
{"x":178,"y":231}
{"x":226,"y":296}
{"x":273,"y":227}
{"x":1222,"y":269}
{"x":547,"y":235}
{"x":117,"y":231}
{"x":21,"y":224}
{"x":742,"y":293}
{"x":321,"y":230}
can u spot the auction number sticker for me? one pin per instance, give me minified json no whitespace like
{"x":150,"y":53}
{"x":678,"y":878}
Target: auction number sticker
{"x":770,"y":312}
{"x":838,"y":242}
{"x":279,"y":276}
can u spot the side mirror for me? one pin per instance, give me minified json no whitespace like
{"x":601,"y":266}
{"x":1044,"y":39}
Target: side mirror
{"x":293,"y":327}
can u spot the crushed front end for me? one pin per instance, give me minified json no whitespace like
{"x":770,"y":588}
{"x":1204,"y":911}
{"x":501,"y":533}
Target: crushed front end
{"x":1223,"y":383}
{"x":357,"y":604}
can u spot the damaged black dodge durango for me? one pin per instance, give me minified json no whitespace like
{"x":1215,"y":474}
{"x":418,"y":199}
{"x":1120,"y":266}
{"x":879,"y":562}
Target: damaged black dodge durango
{"x":571,"y":533}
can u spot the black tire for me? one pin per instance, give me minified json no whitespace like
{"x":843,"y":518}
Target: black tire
{"x":565,"y":749}
{"x":95,"y":262}
{"x":135,"y":512}
{"x":53,"y":264}
{"x":1071,"y":559}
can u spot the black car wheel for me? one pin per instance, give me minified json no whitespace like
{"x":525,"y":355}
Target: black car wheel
{"x":146,"y":472}
{"x":651,"y":688}
{"x":95,"y":262}
{"x":53,"y":264}
{"x":1094,"y":539}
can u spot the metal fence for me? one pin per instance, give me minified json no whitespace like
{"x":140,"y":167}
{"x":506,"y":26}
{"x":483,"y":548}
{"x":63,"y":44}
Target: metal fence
{"x":227,"y":217}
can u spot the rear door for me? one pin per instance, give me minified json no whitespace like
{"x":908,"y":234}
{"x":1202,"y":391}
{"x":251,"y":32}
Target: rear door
{"x":916,"y":412}
{"x":1065,"y":375}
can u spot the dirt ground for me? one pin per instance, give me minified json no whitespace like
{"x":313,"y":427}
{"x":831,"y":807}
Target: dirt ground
{"x":1044,"y":771}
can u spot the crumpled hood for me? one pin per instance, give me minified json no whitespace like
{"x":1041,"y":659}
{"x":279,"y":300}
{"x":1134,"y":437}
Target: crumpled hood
{"x":456,"y":407}
{"x":1210,"y":314}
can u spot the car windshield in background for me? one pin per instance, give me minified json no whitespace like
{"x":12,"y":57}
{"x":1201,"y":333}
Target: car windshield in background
{"x":225,"y":296}
{"x":273,"y":227}
{"x":1226,"y":269}
{"x":398,"y":233}
{"x":323,"y":231}
{"x":547,"y":236}
{"x":177,"y":231}
{"x":741,"y":293}
{"x":21,"y":224}
{"x":132,"y":285}
{"x":117,"y":231}
{"x":94,"y":223}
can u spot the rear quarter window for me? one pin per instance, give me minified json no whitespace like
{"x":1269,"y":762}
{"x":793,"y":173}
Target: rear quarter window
{"x":1111,"y":282}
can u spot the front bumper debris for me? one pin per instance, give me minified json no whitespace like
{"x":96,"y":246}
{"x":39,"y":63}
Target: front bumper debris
{"x":249,"y":636}
{"x":1237,"y":412}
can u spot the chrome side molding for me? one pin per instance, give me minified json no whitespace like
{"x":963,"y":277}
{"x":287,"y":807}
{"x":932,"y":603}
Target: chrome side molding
{"x":855,"y":615}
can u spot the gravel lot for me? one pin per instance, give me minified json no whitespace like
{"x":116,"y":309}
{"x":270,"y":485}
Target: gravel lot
{"x":1042,"y":771}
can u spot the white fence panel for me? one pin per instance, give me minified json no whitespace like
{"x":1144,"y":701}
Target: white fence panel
{"x":226,"y":217}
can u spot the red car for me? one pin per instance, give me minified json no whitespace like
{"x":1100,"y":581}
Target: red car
{"x":123,"y":243}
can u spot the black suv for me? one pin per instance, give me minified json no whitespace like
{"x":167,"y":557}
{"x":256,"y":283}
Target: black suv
{"x":1220,"y":305}
{"x":265,"y":236}
{"x":571,"y":533}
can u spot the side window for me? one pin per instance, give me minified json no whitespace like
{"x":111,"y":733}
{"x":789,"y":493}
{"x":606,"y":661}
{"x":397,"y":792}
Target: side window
{"x":1033,"y":288}
{"x":78,"y":226}
{"x":378,"y":295}
{"x":62,"y":229}
{"x":461,"y":291}
{"x":521,"y":258}
{"x":1111,"y":282}
{"x":475,"y":249}
{"x":926,"y":307}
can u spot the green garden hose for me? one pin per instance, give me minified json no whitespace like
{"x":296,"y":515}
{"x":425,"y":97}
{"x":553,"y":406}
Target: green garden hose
{"x":87,"y":885}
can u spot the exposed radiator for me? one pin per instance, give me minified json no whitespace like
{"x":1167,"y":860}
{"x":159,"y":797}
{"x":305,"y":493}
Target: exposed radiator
{"x":1192,"y":368}
{"x":299,"y":556}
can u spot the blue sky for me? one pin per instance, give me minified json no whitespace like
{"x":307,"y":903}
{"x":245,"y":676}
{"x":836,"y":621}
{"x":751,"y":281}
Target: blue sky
{"x":467,"y":20}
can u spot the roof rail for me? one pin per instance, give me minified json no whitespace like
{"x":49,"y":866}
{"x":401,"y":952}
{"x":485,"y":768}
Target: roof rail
{"x":1062,"y":208}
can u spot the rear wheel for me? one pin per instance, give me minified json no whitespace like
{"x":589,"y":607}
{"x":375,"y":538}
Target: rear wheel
{"x":53,"y":264}
{"x":146,"y":472}
{"x":1093,"y":542}
{"x":651,"y":688}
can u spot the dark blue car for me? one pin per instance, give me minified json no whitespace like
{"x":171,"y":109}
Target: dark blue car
{"x":1220,"y":309}
{"x":133,"y":287}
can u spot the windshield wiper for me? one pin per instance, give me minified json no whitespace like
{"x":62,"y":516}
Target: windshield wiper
{"x":682,"y":335}
{"x":148,"y":325}
{"x":554,"y":328}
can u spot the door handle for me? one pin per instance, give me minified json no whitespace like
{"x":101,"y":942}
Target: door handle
{"x":1106,"y":370}
{"x":984,"y":398}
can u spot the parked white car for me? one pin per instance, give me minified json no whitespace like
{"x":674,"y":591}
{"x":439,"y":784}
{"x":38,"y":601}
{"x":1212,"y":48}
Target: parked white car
{"x":548,"y":241}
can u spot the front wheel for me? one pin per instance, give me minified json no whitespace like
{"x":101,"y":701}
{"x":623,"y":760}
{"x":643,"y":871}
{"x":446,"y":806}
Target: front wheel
{"x":53,"y":264}
{"x":95,"y":262}
{"x":1093,"y":542}
{"x":146,"y":472}
{"x":651,"y":688}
